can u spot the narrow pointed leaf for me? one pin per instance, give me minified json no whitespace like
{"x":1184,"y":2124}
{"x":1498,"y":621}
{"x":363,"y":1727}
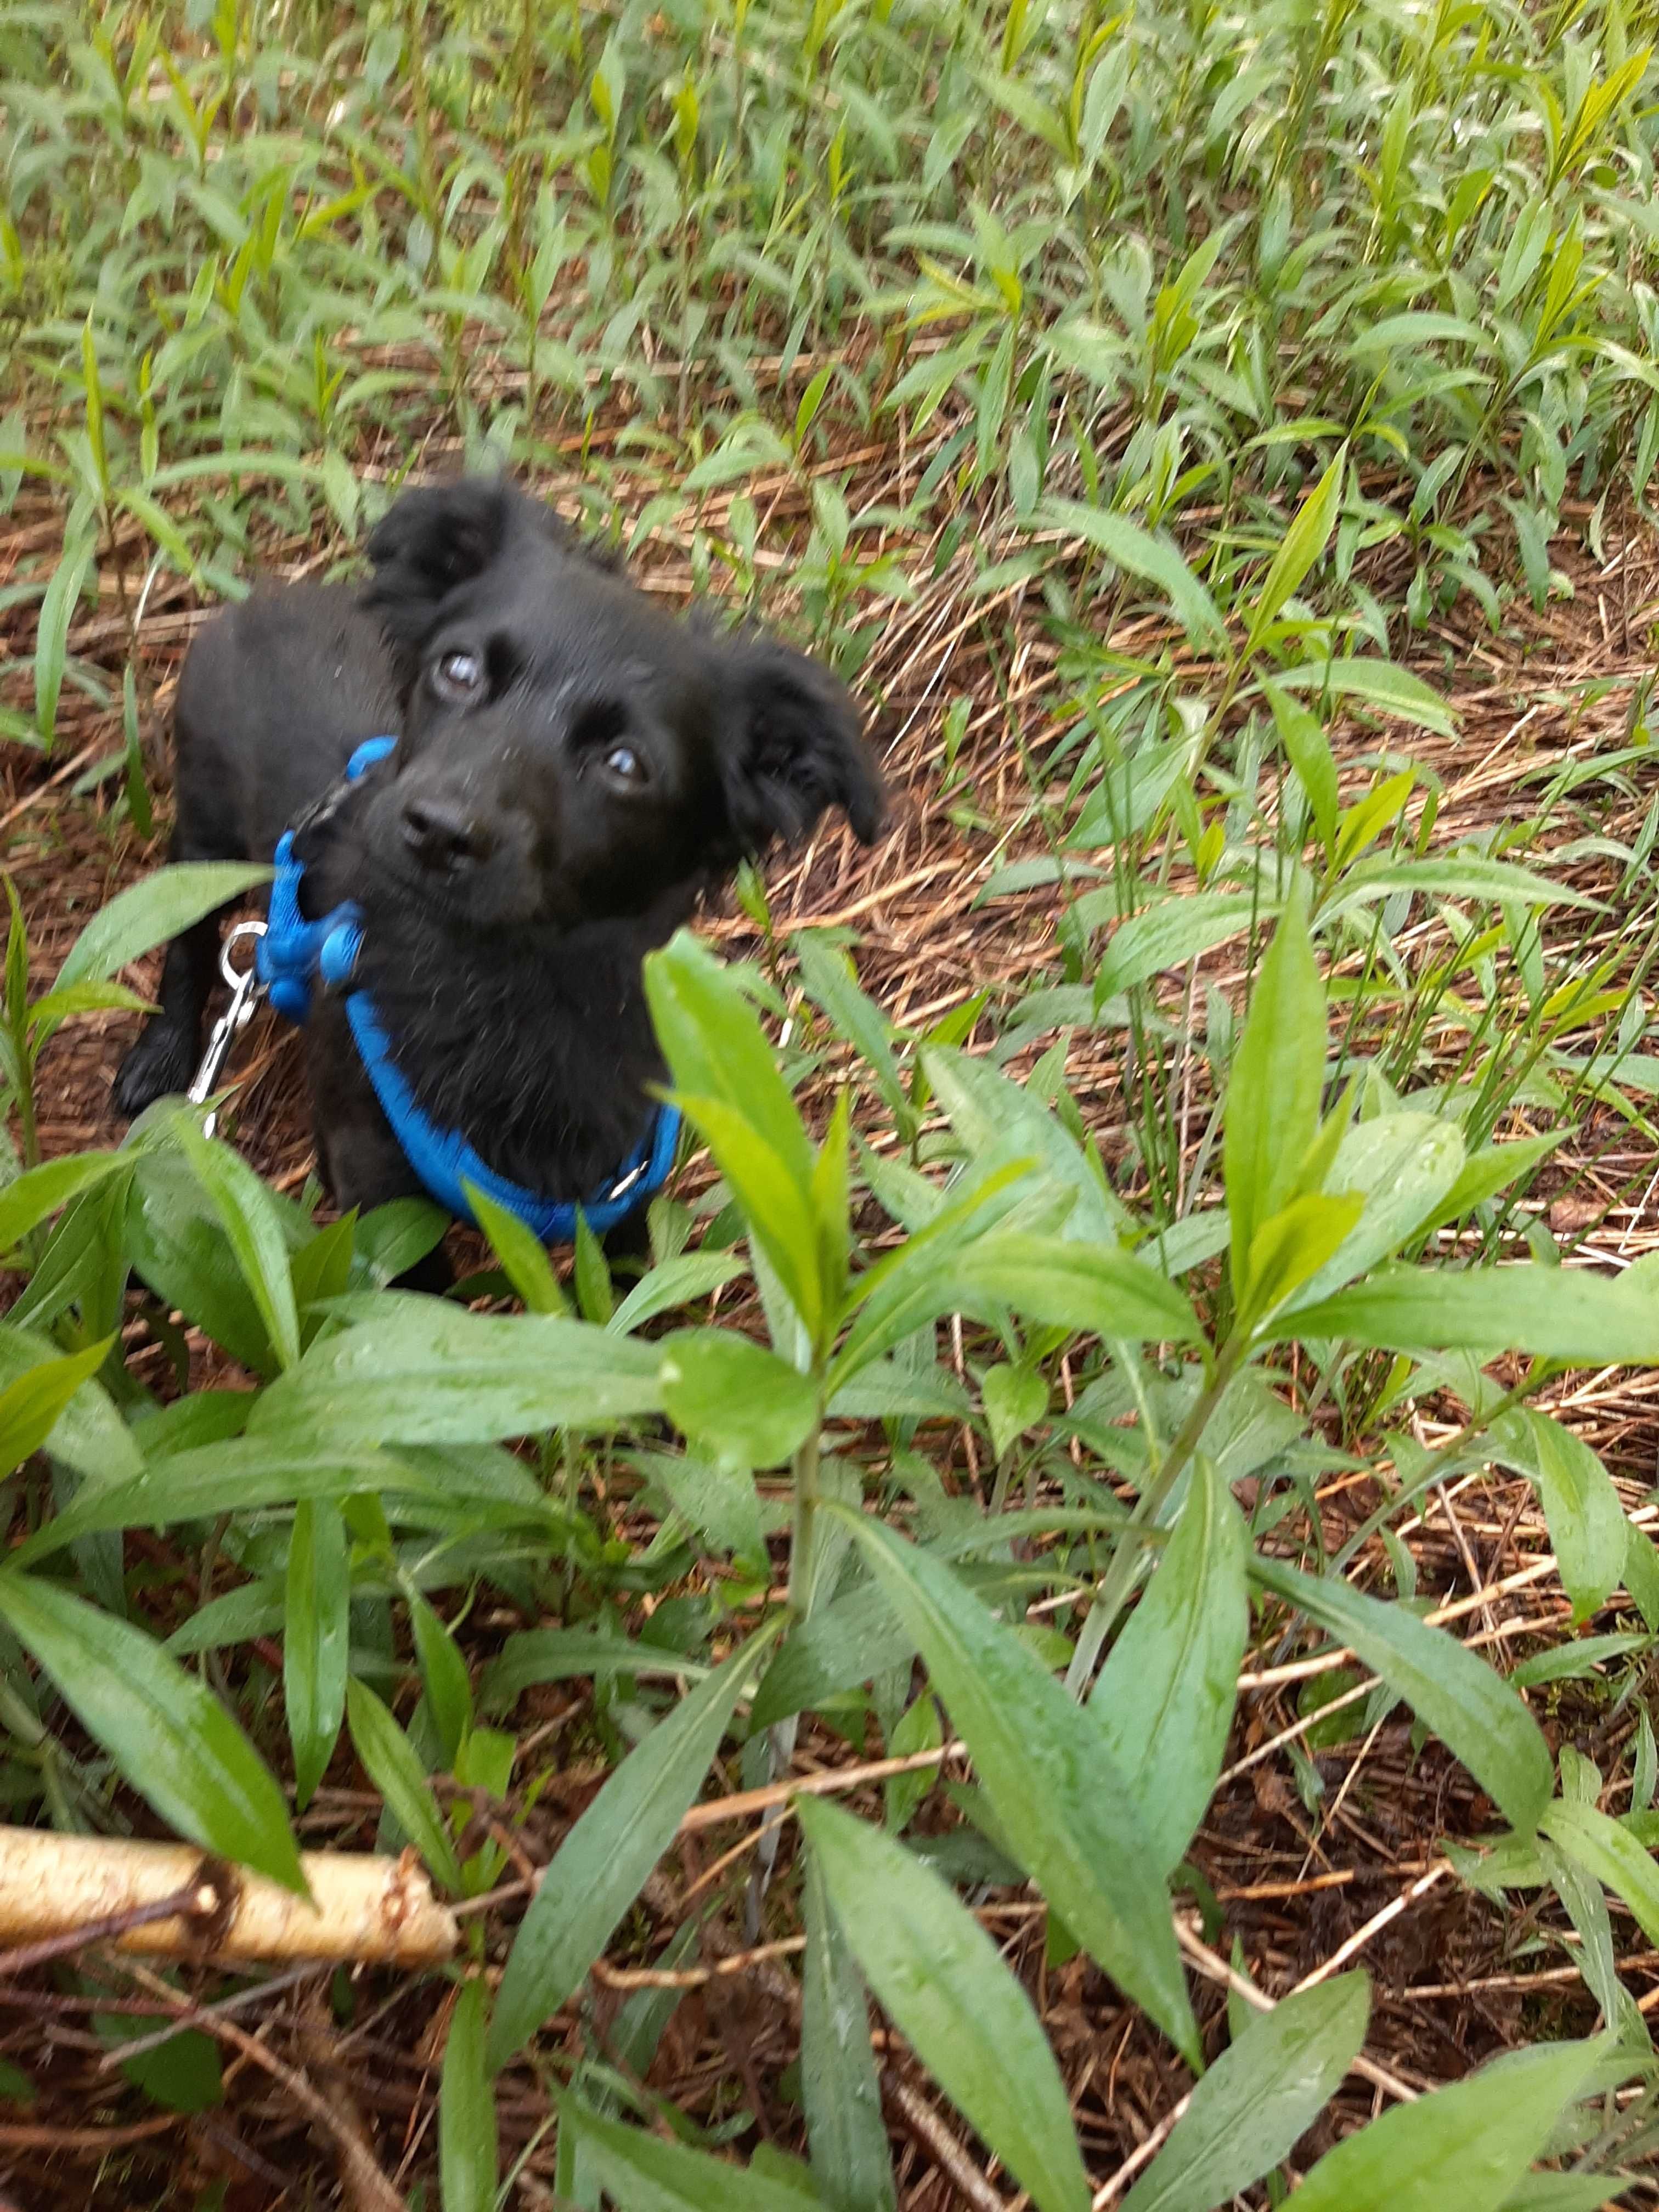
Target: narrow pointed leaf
{"x":646,"y":2174}
{"x":1588,"y":1531}
{"x":427,"y":1372}
{"x":939,"y":1974}
{"x":168,"y":1733}
{"x":1556,"y":1313}
{"x":39,"y":1192}
{"x":315,"y":1639}
{"x":30,"y":1408}
{"x":468,"y":2159}
{"x":603,"y":1863}
{"x":1473,"y":1710}
{"x":394,"y":1768}
{"x":1155,"y":560}
{"x":1467,"y":2146}
{"x":1303,"y":544}
{"x":1608,"y":1850}
{"x":1253,"y":2104}
{"x":252,"y":1230}
{"x":851,"y":2160}
{"x":148,"y":912}
{"x":1272,"y":1107}
{"x":1164,"y":1698}
{"x":1050,"y":1776}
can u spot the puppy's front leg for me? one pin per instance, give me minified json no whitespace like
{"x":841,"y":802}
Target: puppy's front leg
{"x":164,"y":1059}
{"x":360,"y":1160}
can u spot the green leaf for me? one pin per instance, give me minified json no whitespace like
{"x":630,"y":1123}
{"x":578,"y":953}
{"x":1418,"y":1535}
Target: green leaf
{"x":25,"y":1202}
{"x":827,"y":977}
{"x":521,"y":1253}
{"x":76,"y":559}
{"x":1405,"y":1166}
{"x":166,"y":1732}
{"x":316,"y":1640}
{"x":1015,"y":1399}
{"x":1588,"y":1531}
{"x":1463,"y":875}
{"x":1094,"y":1287}
{"x":237,"y":1476}
{"x":444,"y":1677}
{"x":993,"y":1115}
{"x":716,"y":1048}
{"x":1168,"y":935}
{"x":1380,"y":684}
{"x":940,"y":1975}
{"x":31,"y":1406}
{"x":162,"y":905}
{"x":1272,"y":1097}
{"x":780,"y":1217}
{"x":1487,"y":1171}
{"x":1467,"y":2146}
{"x":1155,"y":560}
{"x":88,"y":1434}
{"x":1308,"y":751}
{"x":1291,"y":1247}
{"x":1253,"y":2104}
{"x":851,"y":2161}
{"x":183,"y":2073}
{"x":556,"y":1655}
{"x":252,"y":1230}
{"x":433,"y":1373}
{"x":468,"y":2161}
{"x":177,"y":1245}
{"x":646,"y":2174}
{"x":1556,"y":1313}
{"x":1164,"y":1698}
{"x":852,"y":1638}
{"x":602,"y":1863}
{"x":1044,"y":1763}
{"x":1304,"y":543}
{"x":393,"y":1767}
{"x":728,"y":1391}
{"x":1609,"y":1852}
{"x":1474,"y":1711}
{"x":676,"y":1282}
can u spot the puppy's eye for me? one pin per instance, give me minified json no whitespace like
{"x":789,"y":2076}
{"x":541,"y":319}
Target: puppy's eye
{"x":458,"y":676}
{"x":624,"y":765}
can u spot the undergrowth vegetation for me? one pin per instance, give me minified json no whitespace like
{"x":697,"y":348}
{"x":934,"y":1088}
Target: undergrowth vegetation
{"x":930,"y":1488}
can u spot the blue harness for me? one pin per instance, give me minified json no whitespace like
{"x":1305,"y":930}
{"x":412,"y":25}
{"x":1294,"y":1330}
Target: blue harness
{"x":293,"y":953}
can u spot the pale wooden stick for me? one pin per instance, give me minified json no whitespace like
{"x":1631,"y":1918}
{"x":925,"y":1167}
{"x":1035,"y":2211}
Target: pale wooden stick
{"x":378,"y":1911}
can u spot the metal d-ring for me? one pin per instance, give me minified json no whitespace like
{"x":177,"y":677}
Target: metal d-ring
{"x":246,"y":991}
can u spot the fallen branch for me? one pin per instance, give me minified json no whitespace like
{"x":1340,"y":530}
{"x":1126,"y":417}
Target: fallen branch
{"x":57,"y":1889}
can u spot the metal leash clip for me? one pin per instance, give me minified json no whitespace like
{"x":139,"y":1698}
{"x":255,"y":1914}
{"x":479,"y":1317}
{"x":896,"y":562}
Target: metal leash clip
{"x":246,"y":993}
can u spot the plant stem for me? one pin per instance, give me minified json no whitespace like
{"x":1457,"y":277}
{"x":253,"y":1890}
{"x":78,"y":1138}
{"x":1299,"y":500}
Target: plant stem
{"x":805,"y":1531}
{"x":1126,"y":1557}
{"x":29,"y":1133}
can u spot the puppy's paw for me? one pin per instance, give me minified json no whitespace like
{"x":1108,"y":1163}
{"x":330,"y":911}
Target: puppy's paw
{"x":162,"y":1061}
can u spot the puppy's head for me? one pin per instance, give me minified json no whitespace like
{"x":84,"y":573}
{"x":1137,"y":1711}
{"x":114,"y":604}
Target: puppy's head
{"x":568,"y":751}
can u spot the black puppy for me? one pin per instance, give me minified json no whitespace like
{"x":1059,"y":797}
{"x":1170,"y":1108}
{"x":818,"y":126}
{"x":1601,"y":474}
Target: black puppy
{"x":573,"y":766}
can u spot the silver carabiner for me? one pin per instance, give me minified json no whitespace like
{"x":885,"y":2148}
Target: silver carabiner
{"x":246,"y":993}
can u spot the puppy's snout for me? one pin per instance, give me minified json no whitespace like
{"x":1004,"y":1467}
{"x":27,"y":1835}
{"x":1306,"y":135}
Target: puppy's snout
{"x":445,"y":836}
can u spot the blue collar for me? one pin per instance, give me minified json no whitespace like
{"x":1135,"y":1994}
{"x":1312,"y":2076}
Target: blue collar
{"x":293,"y":953}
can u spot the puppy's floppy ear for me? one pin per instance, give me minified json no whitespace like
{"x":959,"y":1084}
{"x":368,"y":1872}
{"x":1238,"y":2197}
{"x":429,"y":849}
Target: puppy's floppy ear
{"x":434,"y":538}
{"x":793,"y":747}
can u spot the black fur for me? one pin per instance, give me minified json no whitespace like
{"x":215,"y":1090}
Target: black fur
{"x":512,"y":869}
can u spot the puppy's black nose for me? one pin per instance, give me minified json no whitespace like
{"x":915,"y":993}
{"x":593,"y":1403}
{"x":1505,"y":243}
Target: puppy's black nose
{"x":443,"y":837}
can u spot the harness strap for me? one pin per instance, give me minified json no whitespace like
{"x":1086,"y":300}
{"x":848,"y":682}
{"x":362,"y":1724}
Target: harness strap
{"x":290,"y":953}
{"x":293,"y":953}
